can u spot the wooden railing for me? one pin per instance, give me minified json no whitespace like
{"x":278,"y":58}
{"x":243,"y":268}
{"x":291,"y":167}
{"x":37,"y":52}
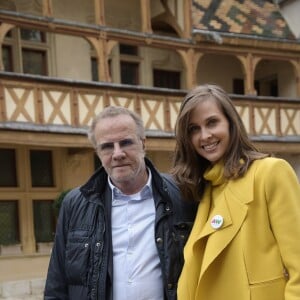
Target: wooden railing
{"x":42,"y":101}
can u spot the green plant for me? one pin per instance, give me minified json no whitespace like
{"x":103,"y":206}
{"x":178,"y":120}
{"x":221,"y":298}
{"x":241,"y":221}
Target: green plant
{"x":58,"y":200}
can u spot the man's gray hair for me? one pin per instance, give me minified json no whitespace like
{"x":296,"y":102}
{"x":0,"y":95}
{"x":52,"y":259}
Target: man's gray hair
{"x":113,"y":111}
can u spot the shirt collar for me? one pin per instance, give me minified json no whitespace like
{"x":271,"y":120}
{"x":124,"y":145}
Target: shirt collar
{"x":144,"y":193}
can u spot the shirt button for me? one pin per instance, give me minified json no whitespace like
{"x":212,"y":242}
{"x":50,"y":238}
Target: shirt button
{"x":159,"y":240}
{"x":170,"y":286}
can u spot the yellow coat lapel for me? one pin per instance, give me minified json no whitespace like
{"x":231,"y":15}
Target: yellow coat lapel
{"x":232,"y":206}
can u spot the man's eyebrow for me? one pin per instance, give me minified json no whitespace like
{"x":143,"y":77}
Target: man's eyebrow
{"x":105,"y":144}
{"x":126,"y":140}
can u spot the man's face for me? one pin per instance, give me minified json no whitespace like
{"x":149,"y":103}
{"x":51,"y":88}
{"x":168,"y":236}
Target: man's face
{"x":121,"y":152}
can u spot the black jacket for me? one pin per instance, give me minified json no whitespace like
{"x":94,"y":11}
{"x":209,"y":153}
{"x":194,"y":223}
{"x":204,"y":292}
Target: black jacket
{"x":81,"y":260}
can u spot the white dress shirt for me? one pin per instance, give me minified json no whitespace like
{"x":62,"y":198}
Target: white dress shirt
{"x":136,"y":266}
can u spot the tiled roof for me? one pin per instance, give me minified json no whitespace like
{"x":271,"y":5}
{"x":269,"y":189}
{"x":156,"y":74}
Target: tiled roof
{"x":244,"y":17}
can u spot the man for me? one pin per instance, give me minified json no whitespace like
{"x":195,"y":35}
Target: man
{"x":120,"y":236}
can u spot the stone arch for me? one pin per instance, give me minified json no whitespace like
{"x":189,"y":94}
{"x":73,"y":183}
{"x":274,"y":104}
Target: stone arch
{"x":275,"y":78}
{"x":222,"y":69}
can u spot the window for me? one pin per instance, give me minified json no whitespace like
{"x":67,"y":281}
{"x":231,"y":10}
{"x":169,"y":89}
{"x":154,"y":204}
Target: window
{"x":9,"y":226}
{"x":34,"y":62}
{"x":95,"y":75}
{"x":33,"y":35}
{"x":128,"y":50}
{"x":238,"y":86}
{"x":257,"y":87}
{"x":26,"y":51}
{"x":41,"y":168}
{"x":273,"y":89}
{"x":129,"y":64}
{"x":8,"y":175}
{"x":166,"y":79}
{"x":7,"y":58}
{"x":129,"y":73}
{"x":44,"y":220}
{"x":27,"y":215}
{"x":267,"y":86}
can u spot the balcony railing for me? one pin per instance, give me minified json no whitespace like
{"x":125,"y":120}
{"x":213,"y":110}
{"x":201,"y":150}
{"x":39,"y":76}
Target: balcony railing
{"x":56,"y":105}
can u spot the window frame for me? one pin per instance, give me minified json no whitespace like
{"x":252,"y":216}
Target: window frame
{"x":25,"y":194}
{"x":132,"y":59}
{"x":165,"y":71}
{"x":14,"y":40}
{"x":11,"y":59}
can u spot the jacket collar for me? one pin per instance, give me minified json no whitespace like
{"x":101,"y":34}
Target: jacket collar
{"x":98,"y":181}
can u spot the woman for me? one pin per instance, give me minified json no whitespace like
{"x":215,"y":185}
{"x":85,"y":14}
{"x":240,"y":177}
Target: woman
{"x":244,"y":244}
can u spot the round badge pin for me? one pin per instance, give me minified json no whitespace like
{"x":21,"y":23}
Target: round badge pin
{"x":217,"y":222}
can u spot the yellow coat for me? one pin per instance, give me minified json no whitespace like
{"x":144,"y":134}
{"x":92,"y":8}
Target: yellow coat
{"x":255,"y":255}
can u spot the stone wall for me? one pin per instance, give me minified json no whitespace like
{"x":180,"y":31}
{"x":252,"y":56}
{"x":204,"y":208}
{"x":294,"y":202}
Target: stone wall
{"x":31,"y":289}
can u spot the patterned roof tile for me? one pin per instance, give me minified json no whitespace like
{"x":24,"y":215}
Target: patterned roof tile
{"x":249,"y":17}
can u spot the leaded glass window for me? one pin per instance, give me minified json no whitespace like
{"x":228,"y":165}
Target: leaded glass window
{"x":9,"y":225}
{"x":8,"y":174}
{"x":44,"y":221}
{"x":41,"y":168}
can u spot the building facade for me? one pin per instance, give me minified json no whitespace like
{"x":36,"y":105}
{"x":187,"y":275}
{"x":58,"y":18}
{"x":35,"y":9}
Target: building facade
{"x":63,"y":61}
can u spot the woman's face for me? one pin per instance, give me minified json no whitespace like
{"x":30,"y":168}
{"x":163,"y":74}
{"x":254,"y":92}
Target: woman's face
{"x":209,"y":130}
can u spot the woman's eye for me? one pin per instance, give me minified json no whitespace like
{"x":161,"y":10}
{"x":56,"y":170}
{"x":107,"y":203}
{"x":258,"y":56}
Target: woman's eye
{"x":193,"y":129}
{"x":212,"y":122}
